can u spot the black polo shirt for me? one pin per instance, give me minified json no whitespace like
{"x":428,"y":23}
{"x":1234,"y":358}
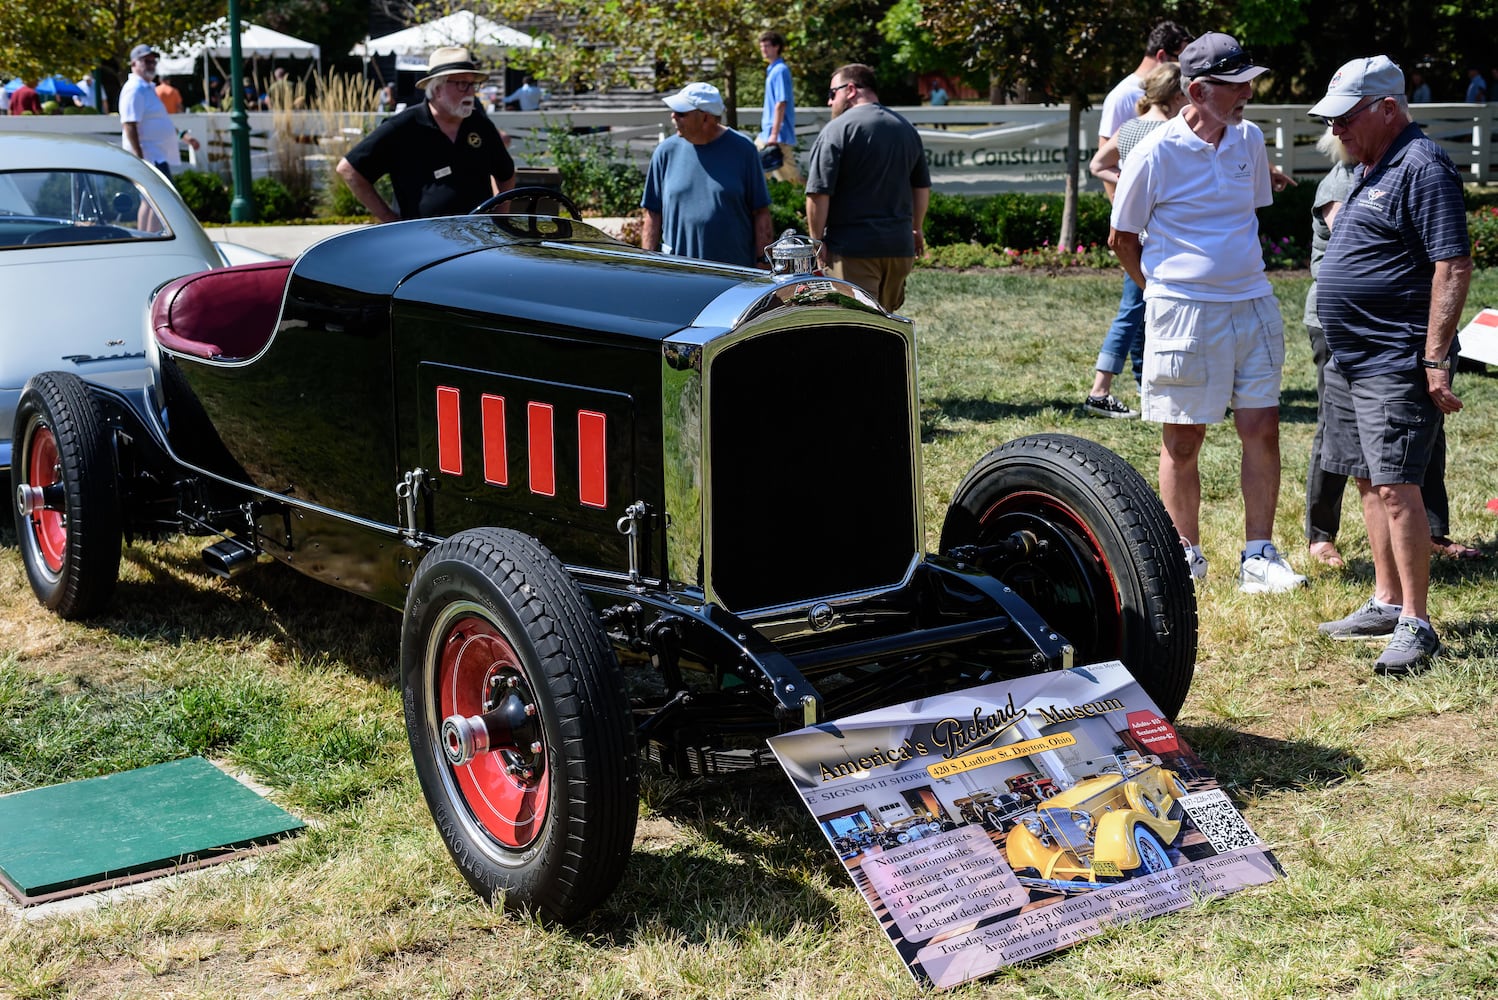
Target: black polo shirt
{"x":1373,"y":289}
{"x":433,"y":176}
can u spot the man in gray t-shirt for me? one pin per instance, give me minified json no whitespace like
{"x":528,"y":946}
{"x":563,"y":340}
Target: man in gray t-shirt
{"x":867,"y":189}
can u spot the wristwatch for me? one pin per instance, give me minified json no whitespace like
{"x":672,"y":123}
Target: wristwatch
{"x":1444,"y":364}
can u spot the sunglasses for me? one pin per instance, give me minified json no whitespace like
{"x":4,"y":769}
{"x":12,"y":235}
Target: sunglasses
{"x":1342,"y":121}
{"x":1227,"y":64}
{"x":836,"y":87}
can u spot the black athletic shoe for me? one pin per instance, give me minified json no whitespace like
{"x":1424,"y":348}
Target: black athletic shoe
{"x":1108,"y":406}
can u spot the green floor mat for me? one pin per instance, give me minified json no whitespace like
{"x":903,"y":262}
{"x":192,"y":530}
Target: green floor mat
{"x":64,"y":840}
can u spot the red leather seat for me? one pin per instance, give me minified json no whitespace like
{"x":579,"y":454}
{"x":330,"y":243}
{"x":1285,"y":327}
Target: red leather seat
{"x":227,"y":312}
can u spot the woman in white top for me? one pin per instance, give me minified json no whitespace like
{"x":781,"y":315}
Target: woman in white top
{"x":1163,"y":99}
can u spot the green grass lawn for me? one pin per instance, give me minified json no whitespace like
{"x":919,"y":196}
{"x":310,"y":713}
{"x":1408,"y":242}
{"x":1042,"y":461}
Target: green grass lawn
{"x":1378,"y":796}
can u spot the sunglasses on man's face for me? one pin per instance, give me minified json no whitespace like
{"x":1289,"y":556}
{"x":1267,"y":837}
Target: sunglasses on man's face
{"x":1342,"y":121}
{"x":836,"y":87}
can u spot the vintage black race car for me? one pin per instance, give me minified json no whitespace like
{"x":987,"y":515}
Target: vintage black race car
{"x":630,"y":506}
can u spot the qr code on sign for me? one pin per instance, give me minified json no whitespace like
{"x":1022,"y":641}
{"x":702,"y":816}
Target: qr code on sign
{"x":1222,"y":824}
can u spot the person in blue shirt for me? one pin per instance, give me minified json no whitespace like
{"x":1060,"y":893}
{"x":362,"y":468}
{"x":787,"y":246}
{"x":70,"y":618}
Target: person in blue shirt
{"x":705,"y":195}
{"x":1477,"y":87}
{"x":777,"y":123}
{"x":528,"y":97}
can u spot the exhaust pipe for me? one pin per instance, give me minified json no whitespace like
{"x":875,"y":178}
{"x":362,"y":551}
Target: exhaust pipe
{"x":229,"y":558}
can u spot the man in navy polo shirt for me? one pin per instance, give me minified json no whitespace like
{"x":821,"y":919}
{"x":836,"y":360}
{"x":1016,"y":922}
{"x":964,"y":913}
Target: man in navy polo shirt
{"x":441,"y":157}
{"x":1389,"y":295}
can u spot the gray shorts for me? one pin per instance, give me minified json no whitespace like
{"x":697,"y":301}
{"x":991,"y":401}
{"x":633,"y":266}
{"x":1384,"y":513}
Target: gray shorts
{"x":1382,"y":428}
{"x":1199,"y":357}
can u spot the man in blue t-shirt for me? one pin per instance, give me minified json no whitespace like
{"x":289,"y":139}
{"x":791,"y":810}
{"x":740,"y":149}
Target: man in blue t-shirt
{"x":1389,"y":296}
{"x":777,"y":123}
{"x":705,"y":196}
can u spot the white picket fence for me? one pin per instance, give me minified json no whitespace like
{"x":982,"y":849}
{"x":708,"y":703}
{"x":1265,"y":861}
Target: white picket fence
{"x":971,"y":148}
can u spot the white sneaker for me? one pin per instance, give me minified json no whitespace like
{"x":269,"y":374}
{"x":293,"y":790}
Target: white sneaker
{"x":1195,"y":561}
{"x":1267,"y":573}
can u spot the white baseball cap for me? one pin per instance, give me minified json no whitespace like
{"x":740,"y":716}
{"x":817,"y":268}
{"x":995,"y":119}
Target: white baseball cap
{"x":696,"y":97}
{"x":1370,"y":76}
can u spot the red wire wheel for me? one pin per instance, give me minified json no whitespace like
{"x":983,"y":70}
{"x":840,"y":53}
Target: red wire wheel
{"x":520,"y":728}
{"x":49,"y":528}
{"x":64,"y":496}
{"x":506,"y":788}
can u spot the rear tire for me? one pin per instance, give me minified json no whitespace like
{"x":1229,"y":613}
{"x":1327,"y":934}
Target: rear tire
{"x":1109,"y":574}
{"x":547,"y":822}
{"x":71,"y":547}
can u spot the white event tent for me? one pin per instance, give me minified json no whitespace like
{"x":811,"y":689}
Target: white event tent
{"x":254,"y":42}
{"x":412,"y":45}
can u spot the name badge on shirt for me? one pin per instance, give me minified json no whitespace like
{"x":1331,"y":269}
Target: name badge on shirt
{"x":441,"y":172}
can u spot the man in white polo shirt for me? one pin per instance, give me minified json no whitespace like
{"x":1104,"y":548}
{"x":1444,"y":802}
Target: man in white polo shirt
{"x":1213,"y":333}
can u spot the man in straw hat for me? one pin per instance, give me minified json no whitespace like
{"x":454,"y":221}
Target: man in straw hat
{"x":441,"y":157}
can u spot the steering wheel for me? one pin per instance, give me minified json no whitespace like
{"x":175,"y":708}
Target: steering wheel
{"x":535,"y":197}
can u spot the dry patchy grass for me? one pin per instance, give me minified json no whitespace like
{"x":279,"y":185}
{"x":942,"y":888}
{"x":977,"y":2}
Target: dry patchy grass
{"x":1377,"y":795}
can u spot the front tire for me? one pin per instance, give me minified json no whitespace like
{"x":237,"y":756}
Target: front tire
{"x":63,"y":494}
{"x":1107,"y":570}
{"x":1153,"y":854}
{"x":493,"y":623}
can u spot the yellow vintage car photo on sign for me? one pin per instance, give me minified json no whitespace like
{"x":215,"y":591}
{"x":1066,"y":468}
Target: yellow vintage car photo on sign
{"x":1104,"y":828}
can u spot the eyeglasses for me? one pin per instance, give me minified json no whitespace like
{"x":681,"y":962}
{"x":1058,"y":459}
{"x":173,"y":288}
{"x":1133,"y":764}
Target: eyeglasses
{"x":1342,"y":121}
{"x":1227,"y":64}
{"x":463,"y":86}
{"x":839,"y":86}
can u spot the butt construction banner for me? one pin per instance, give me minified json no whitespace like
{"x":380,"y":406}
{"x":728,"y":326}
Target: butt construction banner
{"x":1004,"y":822}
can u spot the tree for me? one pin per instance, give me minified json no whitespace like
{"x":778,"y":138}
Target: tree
{"x":915,"y":47}
{"x":39,"y":39}
{"x":605,"y":43}
{"x":335,"y":25}
{"x":1062,"y":48}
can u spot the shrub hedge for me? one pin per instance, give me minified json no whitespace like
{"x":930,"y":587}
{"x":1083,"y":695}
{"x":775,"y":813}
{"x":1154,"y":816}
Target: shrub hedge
{"x":274,"y":202}
{"x":206,"y":195}
{"x":1482,"y":226}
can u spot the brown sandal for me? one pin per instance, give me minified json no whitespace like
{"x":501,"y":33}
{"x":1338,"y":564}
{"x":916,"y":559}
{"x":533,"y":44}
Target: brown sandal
{"x":1440,"y":545}
{"x":1326,"y":553}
